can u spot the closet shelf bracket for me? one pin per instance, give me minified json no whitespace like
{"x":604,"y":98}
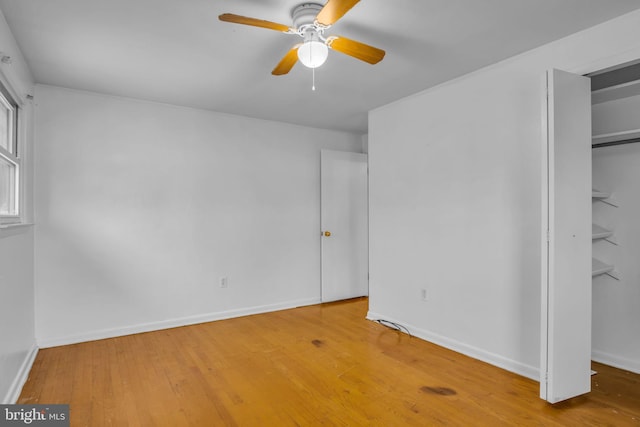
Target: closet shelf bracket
{"x":614,"y":274}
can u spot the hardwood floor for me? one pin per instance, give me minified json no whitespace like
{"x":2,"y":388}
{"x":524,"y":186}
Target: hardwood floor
{"x":317,"y":365}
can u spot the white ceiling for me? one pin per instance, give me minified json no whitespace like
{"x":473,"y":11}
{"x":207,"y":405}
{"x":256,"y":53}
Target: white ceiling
{"x":177,"y":52}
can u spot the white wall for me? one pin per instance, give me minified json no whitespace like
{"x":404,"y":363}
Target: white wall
{"x":17,"y":341}
{"x":615,"y":303}
{"x":455,"y":182}
{"x":142,"y":207}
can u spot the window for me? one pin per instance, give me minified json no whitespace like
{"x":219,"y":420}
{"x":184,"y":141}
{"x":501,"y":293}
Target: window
{"x":9,"y":160}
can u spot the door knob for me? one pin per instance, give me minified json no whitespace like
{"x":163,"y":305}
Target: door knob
{"x":327,"y":233}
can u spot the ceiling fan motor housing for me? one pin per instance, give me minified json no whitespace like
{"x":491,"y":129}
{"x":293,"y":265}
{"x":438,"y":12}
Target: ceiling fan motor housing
{"x":305,"y":14}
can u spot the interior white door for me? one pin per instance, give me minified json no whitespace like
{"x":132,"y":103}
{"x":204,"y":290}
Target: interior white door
{"x":344,"y":225}
{"x":566,"y":260}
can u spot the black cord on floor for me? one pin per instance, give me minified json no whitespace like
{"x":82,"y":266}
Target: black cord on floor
{"x":393,"y":325}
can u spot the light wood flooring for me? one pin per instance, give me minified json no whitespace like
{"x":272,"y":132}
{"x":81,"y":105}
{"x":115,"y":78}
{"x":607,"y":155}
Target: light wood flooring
{"x":310,"y":366}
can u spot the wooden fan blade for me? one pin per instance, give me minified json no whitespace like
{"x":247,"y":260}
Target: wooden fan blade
{"x":237,"y":19}
{"x":287,"y":63}
{"x":334,"y":10}
{"x":358,"y":50}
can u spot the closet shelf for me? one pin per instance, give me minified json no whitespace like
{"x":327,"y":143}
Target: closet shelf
{"x":598,"y":232}
{"x":604,"y":197}
{"x":598,"y":267}
{"x":615,"y":136}
{"x":595,"y":194}
{"x":624,"y":90}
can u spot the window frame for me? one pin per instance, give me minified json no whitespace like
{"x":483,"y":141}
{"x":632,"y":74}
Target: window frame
{"x":12,"y":154}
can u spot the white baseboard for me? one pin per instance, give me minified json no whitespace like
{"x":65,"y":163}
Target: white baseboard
{"x":46,"y":342}
{"x":468,"y":350}
{"x":616,"y":361}
{"x":21,"y":377}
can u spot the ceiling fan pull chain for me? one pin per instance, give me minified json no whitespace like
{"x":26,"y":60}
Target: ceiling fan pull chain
{"x":313,"y":84}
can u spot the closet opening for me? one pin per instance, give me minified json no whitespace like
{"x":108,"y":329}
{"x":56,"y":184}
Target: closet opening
{"x":615,"y":160}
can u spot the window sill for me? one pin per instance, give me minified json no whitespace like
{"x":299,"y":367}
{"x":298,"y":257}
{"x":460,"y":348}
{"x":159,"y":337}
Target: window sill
{"x":15,"y":225}
{"x":9,"y":230}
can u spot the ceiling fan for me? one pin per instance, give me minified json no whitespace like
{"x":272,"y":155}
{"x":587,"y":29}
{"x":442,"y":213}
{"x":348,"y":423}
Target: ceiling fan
{"x":310,"y":21}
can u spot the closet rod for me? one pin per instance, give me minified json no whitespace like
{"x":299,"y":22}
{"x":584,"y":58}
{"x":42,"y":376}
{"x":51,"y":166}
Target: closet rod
{"x":612,"y":143}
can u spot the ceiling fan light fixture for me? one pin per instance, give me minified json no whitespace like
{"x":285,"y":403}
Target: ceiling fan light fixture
{"x":313,"y":53}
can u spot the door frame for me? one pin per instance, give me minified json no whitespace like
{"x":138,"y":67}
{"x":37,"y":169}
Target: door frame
{"x":328,"y":294}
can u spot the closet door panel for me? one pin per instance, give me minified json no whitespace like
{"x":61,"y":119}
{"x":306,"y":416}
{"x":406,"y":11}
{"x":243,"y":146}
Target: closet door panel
{"x":566,"y":287}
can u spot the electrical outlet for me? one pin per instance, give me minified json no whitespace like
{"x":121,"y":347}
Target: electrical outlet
{"x":224,"y":282}
{"x":423,"y":294}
